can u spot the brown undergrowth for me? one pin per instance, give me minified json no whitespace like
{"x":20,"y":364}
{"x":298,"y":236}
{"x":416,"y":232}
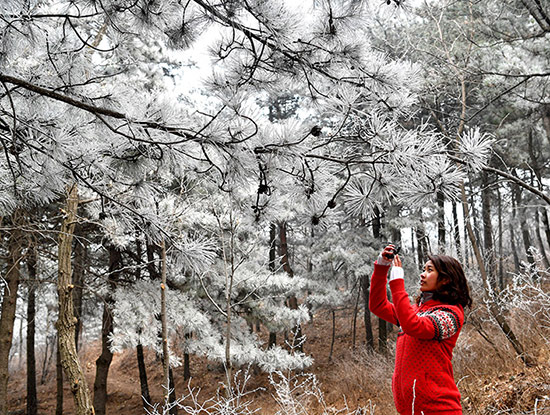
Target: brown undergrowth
{"x":491,"y":378}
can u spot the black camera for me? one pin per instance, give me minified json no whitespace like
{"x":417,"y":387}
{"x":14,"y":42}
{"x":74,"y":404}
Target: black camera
{"x":395,"y":251}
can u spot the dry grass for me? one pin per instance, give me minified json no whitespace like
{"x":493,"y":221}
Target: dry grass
{"x":492,"y":380}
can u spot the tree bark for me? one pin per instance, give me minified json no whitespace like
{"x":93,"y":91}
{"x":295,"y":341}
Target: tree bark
{"x":32,"y":402}
{"x":67,"y":321}
{"x":489,"y":248}
{"x":441,"y":234}
{"x":540,"y":241}
{"x":422,"y":247}
{"x":58,"y":380}
{"x":272,"y":266}
{"x":365,"y":286}
{"x":292,"y":301}
{"x":512,"y":223}
{"x":80,"y":259}
{"x":145,"y":397}
{"x":164,"y":327}
{"x":546,"y":222}
{"x":9,"y":300}
{"x":524,"y":227}
{"x":456,"y":232}
{"x":500,"y":243}
{"x":103,"y":362}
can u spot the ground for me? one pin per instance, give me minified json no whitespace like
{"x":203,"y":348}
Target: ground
{"x":351,"y":377}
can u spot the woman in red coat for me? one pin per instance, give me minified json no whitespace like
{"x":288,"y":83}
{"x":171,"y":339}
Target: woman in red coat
{"x":423,"y":381}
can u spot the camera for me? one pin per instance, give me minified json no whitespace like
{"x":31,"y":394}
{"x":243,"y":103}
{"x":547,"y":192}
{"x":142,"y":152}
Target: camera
{"x":395,"y":251}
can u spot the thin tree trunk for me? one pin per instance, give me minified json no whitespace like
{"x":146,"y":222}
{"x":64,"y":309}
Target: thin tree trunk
{"x":9,"y":300}
{"x":354,"y":323}
{"x":546,"y":222}
{"x":490,"y":261}
{"x":172,"y":397}
{"x":145,"y":397}
{"x":500,"y":243}
{"x":103,"y":362}
{"x":48,"y":352}
{"x":512,"y":223}
{"x":333,"y":336}
{"x":421,"y":240}
{"x":524,"y":227}
{"x":80,"y":259}
{"x":67,"y":321}
{"x":186,"y":364}
{"x":456,"y":232}
{"x":58,"y":380}
{"x":441,"y":234}
{"x":32,"y":402}
{"x":292,"y":301}
{"x":272,"y":266}
{"x":539,"y":240}
{"x":365,"y":285}
{"x":144,"y":386}
{"x":164,"y":327}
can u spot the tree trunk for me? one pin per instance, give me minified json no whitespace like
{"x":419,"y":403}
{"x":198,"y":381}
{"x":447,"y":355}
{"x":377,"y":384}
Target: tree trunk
{"x":365,"y":285}
{"x":493,"y":308}
{"x":145,"y":397}
{"x":272,"y":266}
{"x":186,"y":367}
{"x":9,"y":299}
{"x":441,"y":234}
{"x":164,"y":327}
{"x":421,"y":241}
{"x":512,"y":223}
{"x":456,"y":233}
{"x":333,"y":335}
{"x":32,"y":408}
{"x":546,"y":222}
{"x":173,"y":398}
{"x":103,"y":362}
{"x":524,"y":227}
{"x":67,"y":321}
{"x":540,"y":241}
{"x":490,"y":261}
{"x":59,"y":380}
{"x":80,"y":260}
{"x":292,"y":301}
{"x":500,"y":243}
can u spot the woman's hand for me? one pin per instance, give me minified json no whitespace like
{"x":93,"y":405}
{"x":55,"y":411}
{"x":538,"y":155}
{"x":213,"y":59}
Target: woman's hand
{"x":396,"y":261}
{"x":388,"y":253}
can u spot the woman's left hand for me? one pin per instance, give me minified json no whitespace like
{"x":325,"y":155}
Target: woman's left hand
{"x":396,"y":261}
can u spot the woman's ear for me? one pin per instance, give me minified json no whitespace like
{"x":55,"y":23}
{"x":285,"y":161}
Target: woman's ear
{"x":442,"y":280}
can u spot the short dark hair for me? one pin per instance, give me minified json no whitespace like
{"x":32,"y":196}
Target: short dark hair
{"x":453,"y":288}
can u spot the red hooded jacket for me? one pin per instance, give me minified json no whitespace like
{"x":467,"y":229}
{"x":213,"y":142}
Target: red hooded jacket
{"x":423,"y":381}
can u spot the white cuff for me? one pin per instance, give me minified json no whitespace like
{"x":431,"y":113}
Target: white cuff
{"x":382,"y":261}
{"x":396,"y":273}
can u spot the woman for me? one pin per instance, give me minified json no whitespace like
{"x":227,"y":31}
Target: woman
{"x":423,"y":381}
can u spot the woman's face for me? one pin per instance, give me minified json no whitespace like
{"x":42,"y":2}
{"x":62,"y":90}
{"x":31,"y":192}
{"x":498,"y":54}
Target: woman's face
{"x":428,"y":279}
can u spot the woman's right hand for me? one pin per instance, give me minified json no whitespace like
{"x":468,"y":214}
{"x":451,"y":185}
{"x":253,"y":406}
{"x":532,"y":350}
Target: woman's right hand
{"x":388,"y":253}
{"x":386,"y":256}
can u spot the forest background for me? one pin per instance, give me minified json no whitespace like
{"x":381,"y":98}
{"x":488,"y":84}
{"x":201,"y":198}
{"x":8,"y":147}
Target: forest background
{"x":194,"y":192}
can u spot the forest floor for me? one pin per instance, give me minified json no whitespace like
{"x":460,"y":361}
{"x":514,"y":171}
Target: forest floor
{"x":490,"y":378}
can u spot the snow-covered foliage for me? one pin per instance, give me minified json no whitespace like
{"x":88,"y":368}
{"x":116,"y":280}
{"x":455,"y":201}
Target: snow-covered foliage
{"x":89,"y":98}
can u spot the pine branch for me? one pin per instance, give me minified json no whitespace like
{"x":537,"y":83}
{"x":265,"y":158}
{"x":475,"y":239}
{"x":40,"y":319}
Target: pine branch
{"x":510,"y":177}
{"x":98,"y":111}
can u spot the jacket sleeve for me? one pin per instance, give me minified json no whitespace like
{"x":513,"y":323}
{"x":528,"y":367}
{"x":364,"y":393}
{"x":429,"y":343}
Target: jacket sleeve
{"x":378,"y":299}
{"x":437,"y":324}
